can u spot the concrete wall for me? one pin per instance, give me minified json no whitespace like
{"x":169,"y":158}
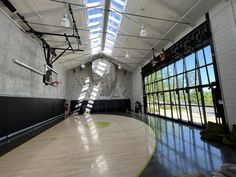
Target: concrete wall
{"x":223,"y":26}
{"x":76,"y":81}
{"x":16,"y":80}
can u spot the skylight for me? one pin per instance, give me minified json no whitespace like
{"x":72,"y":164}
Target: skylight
{"x":95,"y":20}
{"x":114,"y":22}
{"x":95,"y":23}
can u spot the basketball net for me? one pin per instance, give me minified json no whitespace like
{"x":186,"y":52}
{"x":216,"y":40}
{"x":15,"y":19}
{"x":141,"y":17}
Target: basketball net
{"x":55,"y":83}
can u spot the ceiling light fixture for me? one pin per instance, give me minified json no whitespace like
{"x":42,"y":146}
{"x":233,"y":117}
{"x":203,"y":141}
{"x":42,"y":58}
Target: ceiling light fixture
{"x":143,"y":32}
{"x":65,"y":21}
{"x":127,"y":55}
{"x":83,"y":66}
{"x":119,"y":67}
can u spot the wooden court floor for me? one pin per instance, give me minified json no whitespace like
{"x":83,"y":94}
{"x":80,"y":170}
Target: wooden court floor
{"x":84,"y":146}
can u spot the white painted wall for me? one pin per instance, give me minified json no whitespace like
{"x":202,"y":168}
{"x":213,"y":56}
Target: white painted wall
{"x":16,"y":80}
{"x":223,"y":26}
{"x":137,"y":88}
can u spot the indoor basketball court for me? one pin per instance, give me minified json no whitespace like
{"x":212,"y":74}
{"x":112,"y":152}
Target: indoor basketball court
{"x":117,"y":88}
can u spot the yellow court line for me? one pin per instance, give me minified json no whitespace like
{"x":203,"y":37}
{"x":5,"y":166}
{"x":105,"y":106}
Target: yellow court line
{"x":149,"y":159}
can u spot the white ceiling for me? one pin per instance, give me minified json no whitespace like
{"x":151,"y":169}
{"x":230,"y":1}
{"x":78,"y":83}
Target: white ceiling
{"x":49,"y":12}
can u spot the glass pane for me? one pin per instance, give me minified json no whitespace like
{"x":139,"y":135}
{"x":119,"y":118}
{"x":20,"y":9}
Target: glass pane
{"x":167,"y":97}
{"x":191,"y":79}
{"x":179,"y":66}
{"x":211,"y":73}
{"x":164,"y":73}
{"x":146,"y":89}
{"x":190,"y":62}
{"x":158,"y":75}
{"x":183,"y":97}
{"x":174,"y":98}
{"x":162,"y":110}
{"x":149,"y":79}
{"x":155,"y":98}
{"x":151,"y":98}
{"x":207,"y":93}
{"x":180,"y":81}
{"x":166,"y":84}
{"x":150,"y":88}
{"x":208,"y":54}
{"x":210,"y":111}
{"x":156,"y":109}
{"x":204,"y":76}
{"x":185,"y":113}
{"x":175,"y":82}
{"x":145,"y":80}
{"x":176,"y":114}
{"x":151,"y":108}
{"x":171,"y":70}
{"x":201,"y":61}
{"x":148,"y":100}
{"x":172,"y":84}
{"x":148,"y":108}
{"x":155,"y":87}
{"x":153,"y":77}
{"x":168,"y":111}
{"x":159,"y":84}
{"x":197,"y":113}
{"x":195,"y":97}
{"x":185,"y":80}
{"x":161,"y":98}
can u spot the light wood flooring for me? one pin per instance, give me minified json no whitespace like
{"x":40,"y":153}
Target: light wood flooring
{"x":72,"y":149}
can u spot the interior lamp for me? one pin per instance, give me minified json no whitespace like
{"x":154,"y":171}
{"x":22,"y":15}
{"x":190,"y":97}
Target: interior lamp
{"x":65,"y":21}
{"x":143,"y":32}
{"x":83,"y":66}
{"x":127,"y":55}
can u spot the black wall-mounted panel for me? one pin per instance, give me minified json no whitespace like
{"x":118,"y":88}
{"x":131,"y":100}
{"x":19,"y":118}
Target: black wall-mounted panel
{"x":18,"y":113}
{"x":119,"y":105}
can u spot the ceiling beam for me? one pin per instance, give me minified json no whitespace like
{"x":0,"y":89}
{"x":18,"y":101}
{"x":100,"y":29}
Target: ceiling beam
{"x":172,"y":9}
{"x":105,"y":22}
{"x":147,"y":25}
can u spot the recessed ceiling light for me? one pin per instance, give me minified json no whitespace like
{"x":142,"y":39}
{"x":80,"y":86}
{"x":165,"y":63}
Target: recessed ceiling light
{"x":119,"y":66}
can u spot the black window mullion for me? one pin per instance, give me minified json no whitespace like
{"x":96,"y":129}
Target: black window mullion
{"x":170,"y":93}
{"x":163,"y":92}
{"x":177,"y":91}
{"x":186,"y":90}
{"x":208,"y":76}
{"x":197,"y":75}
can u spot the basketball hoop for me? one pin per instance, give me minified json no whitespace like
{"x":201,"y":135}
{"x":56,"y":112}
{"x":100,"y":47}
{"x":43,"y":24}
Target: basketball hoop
{"x":55,"y":83}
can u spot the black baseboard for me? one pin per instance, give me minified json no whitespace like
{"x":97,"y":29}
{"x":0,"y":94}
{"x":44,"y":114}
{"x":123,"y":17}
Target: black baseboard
{"x":101,"y":106}
{"x":20,"y":113}
{"x":11,"y":142}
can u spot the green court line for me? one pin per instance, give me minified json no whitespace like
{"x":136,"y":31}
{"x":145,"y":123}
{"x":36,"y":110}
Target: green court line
{"x":149,"y":159}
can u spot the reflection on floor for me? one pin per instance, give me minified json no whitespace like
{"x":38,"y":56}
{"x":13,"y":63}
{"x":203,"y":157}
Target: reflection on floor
{"x":84,"y":146}
{"x":180,"y":150}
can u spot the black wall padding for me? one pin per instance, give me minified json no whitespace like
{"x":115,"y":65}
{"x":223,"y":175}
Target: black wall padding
{"x":121,"y":105}
{"x":18,"y":113}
